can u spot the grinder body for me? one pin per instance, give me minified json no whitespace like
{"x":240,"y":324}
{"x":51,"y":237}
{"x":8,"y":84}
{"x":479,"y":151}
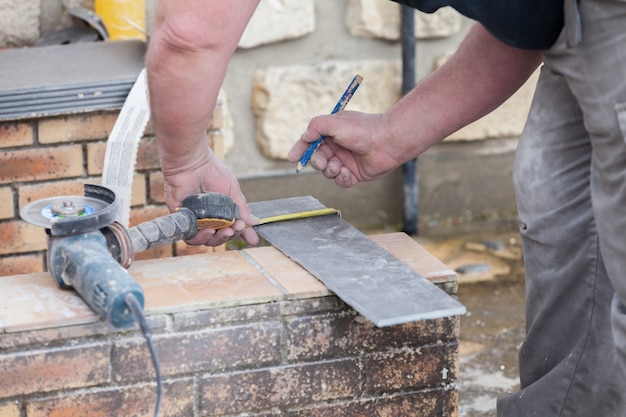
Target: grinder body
{"x":83,"y":262}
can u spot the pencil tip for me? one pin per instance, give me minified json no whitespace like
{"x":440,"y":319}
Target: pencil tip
{"x":299,"y":168}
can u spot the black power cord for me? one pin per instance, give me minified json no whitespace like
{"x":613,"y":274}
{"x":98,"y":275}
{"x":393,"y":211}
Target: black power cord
{"x":137,"y":310}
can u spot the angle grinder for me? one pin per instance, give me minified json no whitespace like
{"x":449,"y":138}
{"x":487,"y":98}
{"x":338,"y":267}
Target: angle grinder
{"x":88,"y":250}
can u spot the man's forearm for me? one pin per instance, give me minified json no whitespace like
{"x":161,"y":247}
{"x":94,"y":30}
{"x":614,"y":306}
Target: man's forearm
{"x":186,"y":61}
{"x":480,"y":76}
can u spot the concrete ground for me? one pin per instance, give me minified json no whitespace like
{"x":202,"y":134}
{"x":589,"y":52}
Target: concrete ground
{"x":491,"y":286}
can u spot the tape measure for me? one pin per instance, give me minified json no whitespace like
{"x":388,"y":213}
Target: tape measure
{"x":212,"y":210}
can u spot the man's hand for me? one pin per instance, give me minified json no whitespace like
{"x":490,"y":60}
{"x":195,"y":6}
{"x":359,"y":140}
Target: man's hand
{"x":355,"y":149}
{"x":210,"y":174}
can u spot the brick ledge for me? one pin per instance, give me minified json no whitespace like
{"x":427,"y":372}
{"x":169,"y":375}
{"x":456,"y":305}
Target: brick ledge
{"x":196,"y":282}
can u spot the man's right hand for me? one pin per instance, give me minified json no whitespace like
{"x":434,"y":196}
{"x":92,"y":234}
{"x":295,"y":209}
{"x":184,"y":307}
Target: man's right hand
{"x":355,"y":149}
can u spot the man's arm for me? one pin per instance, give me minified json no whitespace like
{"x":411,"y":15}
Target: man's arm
{"x":479,"y":77}
{"x":186,"y":62}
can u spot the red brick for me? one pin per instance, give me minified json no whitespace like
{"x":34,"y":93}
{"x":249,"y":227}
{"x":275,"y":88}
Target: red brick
{"x":156,"y":188}
{"x":183,"y":249}
{"x":149,"y":130}
{"x":147,"y":155}
{"x":190,"y":320}
{"x":155,"y":253}
{"x":76,"y":128}
{"x":16,"y":134}
{"x":10,"y":410}
{"x":95,"y":157}
{"x":41,"y":164}
{"x":21,"y":264}
{"x":19,"y":237}
{"x":346,"y":333}
{"x":34,"y":192}
{"x":279,"y":387}
{"x":422,"y":404}
{"x":227,"y":348}
{"x":408,"y":369}
{"x":177,"y":400}
{"x":53,"y":369}
{"x":7,"y":202}
{"x":139,"y":190}
{"x":140,"y":215}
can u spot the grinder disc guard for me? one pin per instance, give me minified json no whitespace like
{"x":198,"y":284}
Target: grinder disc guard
{"x":47,"y":211}
{"x":70,"y":215}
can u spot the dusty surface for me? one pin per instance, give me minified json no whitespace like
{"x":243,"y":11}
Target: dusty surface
{"x":491,"y":286}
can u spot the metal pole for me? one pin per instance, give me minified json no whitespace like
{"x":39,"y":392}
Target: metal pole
{"x":410,"y":179}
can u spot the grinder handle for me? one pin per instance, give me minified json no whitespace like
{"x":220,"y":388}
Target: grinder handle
{"x":164,"y":230}
{"x":198,"y":211}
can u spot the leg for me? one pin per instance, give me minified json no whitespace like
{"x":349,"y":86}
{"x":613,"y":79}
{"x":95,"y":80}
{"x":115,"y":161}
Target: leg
{"x":602,"y":96}
{"x":566,"y":365}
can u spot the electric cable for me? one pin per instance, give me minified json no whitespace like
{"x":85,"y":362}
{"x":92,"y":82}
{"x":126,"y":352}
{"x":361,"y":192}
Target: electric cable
{"x":137,"y":310}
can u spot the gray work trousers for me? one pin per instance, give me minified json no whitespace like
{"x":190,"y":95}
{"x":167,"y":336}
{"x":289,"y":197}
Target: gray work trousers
{"x":570,"y":182}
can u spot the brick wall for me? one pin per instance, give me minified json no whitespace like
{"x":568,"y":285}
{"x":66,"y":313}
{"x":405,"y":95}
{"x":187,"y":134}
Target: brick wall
{"x":236,"y":336}
{"x":52,"y":156}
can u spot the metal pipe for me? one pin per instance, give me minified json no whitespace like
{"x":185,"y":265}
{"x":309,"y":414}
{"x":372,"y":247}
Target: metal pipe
{"x":410,"y":179}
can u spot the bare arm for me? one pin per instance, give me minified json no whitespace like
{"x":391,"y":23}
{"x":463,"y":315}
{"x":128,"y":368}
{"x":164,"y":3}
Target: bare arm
{"x":479,"y":77}
{"x":186,"y":61}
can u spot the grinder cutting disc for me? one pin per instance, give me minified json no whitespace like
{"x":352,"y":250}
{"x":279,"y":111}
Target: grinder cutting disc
{"x":70,"y":215}
{"x":47,"y":211}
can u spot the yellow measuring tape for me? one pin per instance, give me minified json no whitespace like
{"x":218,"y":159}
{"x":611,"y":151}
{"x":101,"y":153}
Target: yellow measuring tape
{"x":299,"y":215}
{"x":218,"y":224}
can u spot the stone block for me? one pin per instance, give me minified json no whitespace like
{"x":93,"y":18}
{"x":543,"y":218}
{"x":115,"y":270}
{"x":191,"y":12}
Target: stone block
{"x":19,"y":22}
{"x":507,"y":121}
{"x":279,"y":20}
{"x":286,"y":98}
{"x":381,"y":19}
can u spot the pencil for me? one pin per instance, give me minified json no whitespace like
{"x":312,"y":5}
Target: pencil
{"x":341,"y":104}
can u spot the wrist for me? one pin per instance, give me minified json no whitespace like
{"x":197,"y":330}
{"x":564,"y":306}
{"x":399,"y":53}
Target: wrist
{"x":177,"y":159}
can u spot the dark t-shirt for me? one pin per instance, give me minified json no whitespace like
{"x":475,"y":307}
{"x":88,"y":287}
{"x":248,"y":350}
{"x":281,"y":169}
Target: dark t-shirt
{"x":527,"y":24}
